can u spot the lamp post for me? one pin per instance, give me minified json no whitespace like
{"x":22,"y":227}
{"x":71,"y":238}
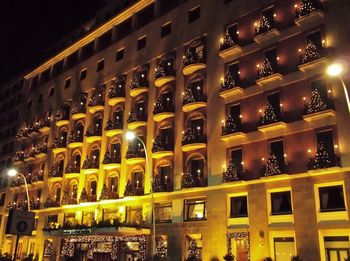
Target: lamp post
{"x":131,"y":136}
{"x":336,"y":70}
{"x":13,"y":173}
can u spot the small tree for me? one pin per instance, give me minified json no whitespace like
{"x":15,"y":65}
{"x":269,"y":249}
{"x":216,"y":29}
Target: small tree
{"x":264,"y":25}
{"x":316,"y":103}
{"x":272,"y":166}
{"x":266,"y":69}
{"x":231,"y":174}
{"x":187,"y":179}
{"x":306,"y":7}
{"x":311,"y":53}
{"x":321,"y":159}
{"x":193,"y":252}
{"x":157,"y":184}
{"x":269,"y":115}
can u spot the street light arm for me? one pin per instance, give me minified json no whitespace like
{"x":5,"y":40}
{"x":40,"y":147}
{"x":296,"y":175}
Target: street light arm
{"x":345,"y":92}
{"x":26,"y":187}
{"x":152,"y":198}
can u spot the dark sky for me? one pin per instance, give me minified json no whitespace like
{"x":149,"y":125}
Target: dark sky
{"x":29,"y":27}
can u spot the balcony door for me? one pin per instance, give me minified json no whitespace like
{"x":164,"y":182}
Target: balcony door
{"x":274,"y":100}
{"x":197,"y":128}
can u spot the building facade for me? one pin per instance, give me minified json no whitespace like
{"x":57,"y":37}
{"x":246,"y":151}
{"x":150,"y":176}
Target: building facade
{"x":246,"y":136}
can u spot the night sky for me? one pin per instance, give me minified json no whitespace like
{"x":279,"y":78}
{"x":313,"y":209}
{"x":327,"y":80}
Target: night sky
{"x":28,"y":29}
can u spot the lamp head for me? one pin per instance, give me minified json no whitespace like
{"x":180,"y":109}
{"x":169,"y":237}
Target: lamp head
{"x":11,"y":172}
{"x":130,"y":135}
{"x":335,"y":69}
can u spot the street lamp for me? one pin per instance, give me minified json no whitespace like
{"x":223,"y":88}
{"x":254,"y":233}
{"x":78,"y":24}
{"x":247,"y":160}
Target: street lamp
{"x":336,"y":70}
{"x":13,"y":173}
{"x":131,"y":136}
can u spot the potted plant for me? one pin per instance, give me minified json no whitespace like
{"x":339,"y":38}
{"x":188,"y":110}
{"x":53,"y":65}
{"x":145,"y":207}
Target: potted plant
{"x":229,"y":257}
{"x":296,"y":258}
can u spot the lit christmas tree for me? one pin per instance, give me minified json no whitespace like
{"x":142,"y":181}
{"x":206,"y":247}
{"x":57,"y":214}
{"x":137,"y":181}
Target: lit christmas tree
{"x":110,"y":124}
{"x":161,"y":250}
{"x":157,"y":145}
{"x":59,"y":115}
{"x":158,"y":106}
{"x":321,"y":159}
{"x":229,"y":127}
{"x":107,"y":158}
{"x":194,"y":253}
{"x":266,"y":69}
{"x":269,"y":115}
{"x":316,"y":103}
{"x":263,"y":26}
{"x":157,"y":184}
{"x":83,"y":196}
{"x":311,"y":53}
{"x":48,"y":248}
{"x":231,"y":174}
{"x":229,"y":82}
{"x":187,"y":179}
{"x":92,"y":101}
{"x":188,"y":136}
{"x":188,"y":58}
{"x":135,"y":81}
{"x":65,"y":197}
{"x":105,"y":193}
{"x":132,"y":117}
{"x":306,"y":7}
{"x":272,"y":166}
{"x":117,"y":88}
{"x":188,"y":97}
{"x":227,"y":42}
{"x":159,"y":72}
{"x":129,"y":190}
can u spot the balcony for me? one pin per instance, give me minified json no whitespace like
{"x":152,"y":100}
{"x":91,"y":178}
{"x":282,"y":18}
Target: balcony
{"x":318,"y":109}
{"x":37,"y":178}
{"x":90,"y":166}
{"x":265,"y":33}
{"x":191,"y":142}
{"x":75,"y":139}
{"x":229,"y":50}
{"x":107,"y":194}
{"x":131,"y":190}
{"x":271,"y":120}
{"x":192,"y":180}
{"x":267,"y":76}
{"x":323,"y":161}
{"x":40,"y":150}
{"x":161,"y":148}
{"x":22,"y":133}
{"x":233,"y":173}
{"x":33,"y":129}
{"x":111,"y":160}
{"x":55,"y":174}
{"x":272,"y":126}
{"x":78,"y":110}
{"x":49,"y":203}
{"x":313,"y":60}
{"x":139,"y":84}
{"x":192,"y":63}
{"x":274,"y":167}
{"x":84,"y":197}
{"x":309,"y":16}
{"x":96,"y":103}
{"x":58,"y":145}
{"x":29,"y":154}
{"x":135,"y":121}
{"x":160,"y":185}
{"x":164,"y":73}
{"x":116,"y":93}
{"x":93,"y":133}
{"x":113,"y":127}
{"x":16,"y":182}
{"x":192,"y":102}
{"x":18,"y":158}
{"x":230,"y":89}
{"x":72,"y":170}
{"x":135,"y":154}
{"x":62,"y":118}
{"x":163,"y":110}
{"x":66,"y":200}
{"x":44,"y":124}
{"x":230,"y":131}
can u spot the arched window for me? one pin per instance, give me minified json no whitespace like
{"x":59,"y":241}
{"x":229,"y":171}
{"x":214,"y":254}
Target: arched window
{"x":118,"y":118}
{"x":95,"y":156}
{"x":137,"y":181}
{"x":74,"y":191}
{"x":93,"y":188}
{"x":63,"y":136}
{"x":57,"y":194}
{"x":79,"y":129}
{"x":98,"y":124}
{"x":77,"y":160}
{"x":115,"y":152}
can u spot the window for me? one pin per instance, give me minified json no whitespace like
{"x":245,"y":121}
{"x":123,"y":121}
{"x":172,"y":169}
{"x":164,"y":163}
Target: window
{"x":105,"y":40}
{"x":67,"y":83}
{"x":326,"y":138}
{"x":232,"y":30}
{"x":274,"y":100}
{"x":51,"y":220}
{"x":277,"y":149}
{"x":69,"y":219}
{"x":321,"y":87}
{"x":29,"y":104}
{"x":134,"y":215}
{"x":124,"y":29}
{"x":337,"y":247}
{"x":167,"y":137}
{"x":2,"y":199}
{"x":87,"y":50}
{"x":269,"y":14}
{"x":195,"y":209}
{"x":235,"y":113}
{"x":163,"y":213}
{"x":119,"y":55}
{"x":237,"y":159}
{"x":194,"y":14}
{"x":281,"y":203}
{"x":271,"y":55}
{"x":83,"y":74}
{"x":233,"y":69}
{"x":165,"y":29}
{"x":239,"y":207}
{"x":114,"y":215}
{"x":137,"y":180}
{"x":40,"y":98}
{"x":57,"y":68}
{"x":331,"y":198}
{"x":71,"y":60}
{"x":197,"y":129}
{"x":316,"y":39}
{"x":52,"y":91}
{"x":88,"y":218}
{"x":141,"y":42}
{"x":283,"y":248}
{"x":100,"y":65}
{"x":145,"y":16}
{"x":34,"y":84}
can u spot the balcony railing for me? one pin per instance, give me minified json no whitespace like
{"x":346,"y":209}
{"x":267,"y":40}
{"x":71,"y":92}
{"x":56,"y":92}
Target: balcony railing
{"x":266,"y":69}
{"x":75,"y":137}
{"x":160,"y":185}
{"x":58,"y":142}
{"x":111,"y":158}
{"x":270,"y":115}
{"x":164,"y":69}
{"x":264,"y":25}
{"x":69,"y":201}
{"x":54,"y":172}
{"x":317,"y":103}
{"x":139,"y":79}
{"x":133,"y":117}
{"x":311,"y":53}
{"x":190,"y":97}
{"x":107,"y":193}
{"x":163,"y":106}
{"x":49,"y":203}
{"x":232,"y":173}
{"x":36,"y":176}
{"x":96,"y":99}
{"x":22,"y":132}
{"x":23,"y":205}
{"x":274,"y":166}
{"x":84,"y":197}
{"x":40,"y":148}
{"x":61,"y":115}
{"x":117,"y":89}
{"x":16,"y":182}
{"x":19,"y":156}
{"x":323,"y":159}
{"x":189,"y":137}
{"x":135,"y":151}
{"x":72,"y":168}
{"x":229,"y":83}
{"x":114,"y":124}
{"x":78,"y":107}
{"x":307,"y":7}
{"x":44,"y":122}
{"x":161,"y":145}
{"x":227,"y":42}
{"x":131,"y":190}
{"x":93,"y":130}
{"x":191,"y":57}
{"x":89,"y":164}
{"x":230,"y":126}
{"x":191,"y":180}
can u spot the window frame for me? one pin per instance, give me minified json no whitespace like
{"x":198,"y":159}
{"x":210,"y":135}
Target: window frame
{"x":163,"y":206}
{"x":279,"y":218}
{"x":190,"y":202}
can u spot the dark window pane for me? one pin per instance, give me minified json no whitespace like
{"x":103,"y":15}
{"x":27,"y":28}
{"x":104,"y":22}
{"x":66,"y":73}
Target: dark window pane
{"x":145,"y":16}
{"x":120,"y":55}
{"x":165,"y":30}
{"x":141,"y":43}
{"x":316,"y":39}
{"x":194,"y":14}
{"x":239,"y":207}
{"x":124,"y":29}
{"x":281,"y":203}
{"x":274,"y":100}
{"x":331,"y":198}
{"x":326,"y":137}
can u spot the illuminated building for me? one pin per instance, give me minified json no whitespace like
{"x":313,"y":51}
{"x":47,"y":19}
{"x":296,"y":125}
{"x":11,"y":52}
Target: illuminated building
{"x":247,"y":136}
